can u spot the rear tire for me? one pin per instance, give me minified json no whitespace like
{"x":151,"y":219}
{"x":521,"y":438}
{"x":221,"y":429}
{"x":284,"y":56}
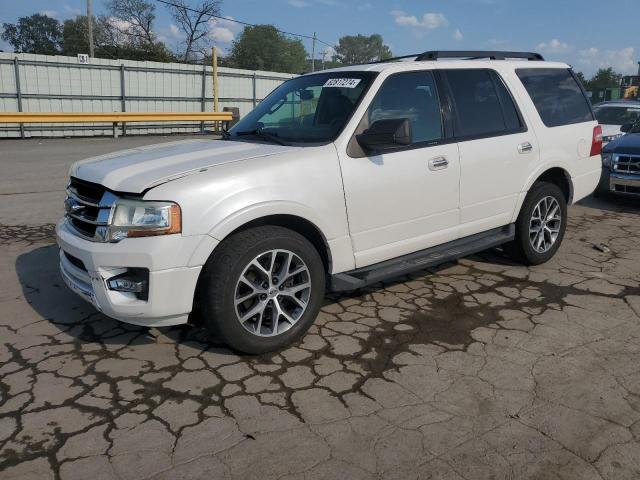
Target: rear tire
{"x":281,"y":278}
{"x":540,"y":226}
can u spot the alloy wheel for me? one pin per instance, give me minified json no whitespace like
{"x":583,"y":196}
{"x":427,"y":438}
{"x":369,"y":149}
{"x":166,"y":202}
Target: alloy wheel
{"x":272,"y":293}
{"x":545,"y":223}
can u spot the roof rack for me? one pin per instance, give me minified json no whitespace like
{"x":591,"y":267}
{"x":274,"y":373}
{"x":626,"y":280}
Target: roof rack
{"x":478,"y":54}
{"x":466,"y":54}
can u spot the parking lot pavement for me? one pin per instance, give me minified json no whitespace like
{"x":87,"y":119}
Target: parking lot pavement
{"x":478,"y":369}
{"x":34,"y":173}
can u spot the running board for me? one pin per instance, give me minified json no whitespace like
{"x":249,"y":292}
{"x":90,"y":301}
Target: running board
{"x":429,"y":257}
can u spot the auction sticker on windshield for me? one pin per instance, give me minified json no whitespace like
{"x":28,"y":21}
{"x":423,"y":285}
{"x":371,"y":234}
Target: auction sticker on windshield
{"x":342,"y":82}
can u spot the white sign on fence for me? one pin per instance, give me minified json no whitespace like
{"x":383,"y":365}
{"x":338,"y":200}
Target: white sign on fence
{"x":83,"y":59}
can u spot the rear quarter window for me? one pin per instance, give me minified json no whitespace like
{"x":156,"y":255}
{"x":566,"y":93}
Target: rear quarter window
{"x":556,"y":95}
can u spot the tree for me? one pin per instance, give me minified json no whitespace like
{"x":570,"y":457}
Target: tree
{"x":605,"y":78}
{"x":263,"y":47}
{"x":110,"y":42}
{"x":35,"y":34}
{"x":582,"y":79}
{"x":75,"y":35}
{"x":135,"y":19}
{"x":194,"y":24}
{"x":356,"y":49}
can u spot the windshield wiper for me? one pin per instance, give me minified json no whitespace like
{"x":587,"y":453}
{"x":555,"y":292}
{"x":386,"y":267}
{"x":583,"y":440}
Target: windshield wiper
{"x":264,"y":135}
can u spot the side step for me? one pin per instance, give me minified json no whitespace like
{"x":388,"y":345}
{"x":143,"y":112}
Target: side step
{"x":429,"y":257}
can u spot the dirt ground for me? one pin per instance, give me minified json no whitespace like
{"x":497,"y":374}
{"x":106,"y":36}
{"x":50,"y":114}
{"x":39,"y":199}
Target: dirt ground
{"x":474,"y":370}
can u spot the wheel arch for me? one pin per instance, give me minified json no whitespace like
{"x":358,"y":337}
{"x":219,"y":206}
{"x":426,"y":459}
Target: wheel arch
{"x":559,"y":177}
{"x":556,"y":175}
{"x":298,"y":224}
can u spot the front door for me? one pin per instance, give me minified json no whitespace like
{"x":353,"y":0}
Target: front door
{"x":406,"y":200}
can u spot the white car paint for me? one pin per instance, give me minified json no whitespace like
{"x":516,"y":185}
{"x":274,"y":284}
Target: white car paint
{"x":367,"y":209}
{"x":139,"y":169}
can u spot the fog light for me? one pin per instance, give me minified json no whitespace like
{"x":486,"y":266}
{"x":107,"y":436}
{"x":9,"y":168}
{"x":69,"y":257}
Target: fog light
{"x":134,"y":280}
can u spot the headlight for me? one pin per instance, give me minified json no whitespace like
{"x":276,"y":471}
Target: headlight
{"x":139,"y":218}
{"x":611,"y":138}
{"x":606,"y":159}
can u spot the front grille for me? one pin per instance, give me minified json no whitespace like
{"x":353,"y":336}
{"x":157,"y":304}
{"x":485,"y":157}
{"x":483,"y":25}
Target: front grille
{"x":627,"y":189}
{"x":87,"y":207}
{"x":627,"y":164}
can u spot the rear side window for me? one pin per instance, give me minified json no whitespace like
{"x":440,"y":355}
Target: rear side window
{"x":556,"y":95}
{"x":482,"y":104}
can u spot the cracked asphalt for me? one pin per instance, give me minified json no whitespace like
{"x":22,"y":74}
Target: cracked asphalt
{"x":479,"y":369}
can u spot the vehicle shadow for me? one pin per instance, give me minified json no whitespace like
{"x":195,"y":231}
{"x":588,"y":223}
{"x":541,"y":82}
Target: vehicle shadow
{"x":46,"y":293}
{"x":611,"y":203}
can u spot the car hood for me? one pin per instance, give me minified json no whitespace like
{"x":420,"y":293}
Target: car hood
{"x":139,"y":169}
{"x":627,"y":144}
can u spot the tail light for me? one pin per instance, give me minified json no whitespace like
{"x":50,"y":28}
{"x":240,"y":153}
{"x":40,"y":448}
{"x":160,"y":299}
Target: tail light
{"x":596,"y":142}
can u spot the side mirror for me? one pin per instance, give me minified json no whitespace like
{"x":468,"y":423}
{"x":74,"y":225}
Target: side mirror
{"x":385,"y":135}
{"x":306,"y":94}
{"x":626,"y":127}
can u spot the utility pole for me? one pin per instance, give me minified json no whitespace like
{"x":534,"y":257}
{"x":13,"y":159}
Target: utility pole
{"x":313,"y":53}
{"x":90,"y":27}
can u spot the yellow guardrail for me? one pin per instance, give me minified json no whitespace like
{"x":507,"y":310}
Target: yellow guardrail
{"x":113,"y":117}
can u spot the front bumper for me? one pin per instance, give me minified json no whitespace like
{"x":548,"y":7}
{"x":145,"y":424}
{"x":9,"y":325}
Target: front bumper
{"x":618,"y":183}
{"x":174,"y":263}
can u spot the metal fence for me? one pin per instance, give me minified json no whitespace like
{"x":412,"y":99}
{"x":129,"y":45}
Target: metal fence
{"x":41,"y":83}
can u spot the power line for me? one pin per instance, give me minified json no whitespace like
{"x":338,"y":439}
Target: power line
{"x":310,"y":37}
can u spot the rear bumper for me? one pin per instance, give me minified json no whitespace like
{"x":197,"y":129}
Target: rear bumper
{"x":86,"y":266}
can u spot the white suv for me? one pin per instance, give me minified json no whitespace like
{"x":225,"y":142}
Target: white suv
{"x":337,"y":180}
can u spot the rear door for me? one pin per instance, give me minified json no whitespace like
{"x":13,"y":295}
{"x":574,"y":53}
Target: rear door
{"x":406,"y":200}
{"x":497,"y":150}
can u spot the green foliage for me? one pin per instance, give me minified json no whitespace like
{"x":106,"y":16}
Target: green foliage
{"x":264,"y":48}
{"x":156,"y":52}
{"x":582,"y":78}
{"x":110,"y":43}
{"x":356,"y":49}
{"x":35,"y":34}
{"x":604,"y":78}
{"x":75,"y":35}
{"x":328,"y":63}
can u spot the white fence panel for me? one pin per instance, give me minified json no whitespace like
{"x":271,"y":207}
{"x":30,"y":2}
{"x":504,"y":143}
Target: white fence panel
{"x":60,"y":84}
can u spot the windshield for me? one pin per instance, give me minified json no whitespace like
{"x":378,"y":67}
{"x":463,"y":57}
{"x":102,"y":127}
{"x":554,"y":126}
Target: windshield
{"x":307,"y":109}
{"x":617,"y":115}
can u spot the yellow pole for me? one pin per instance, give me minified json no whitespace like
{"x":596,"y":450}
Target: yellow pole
{"x":214,"y":61}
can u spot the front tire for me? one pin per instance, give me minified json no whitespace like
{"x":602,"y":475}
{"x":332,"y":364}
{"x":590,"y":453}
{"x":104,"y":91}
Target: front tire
{"x":261,"y":289}
{"x":540,"y":226}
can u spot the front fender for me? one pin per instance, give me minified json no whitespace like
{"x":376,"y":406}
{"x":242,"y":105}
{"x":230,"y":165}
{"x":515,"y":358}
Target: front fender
{"x":260,"y":210}
{"x":308,"y":185}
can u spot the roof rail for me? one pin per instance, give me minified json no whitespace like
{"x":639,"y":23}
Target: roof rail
{"x":393,"y":59}
{"x":477,"y":54}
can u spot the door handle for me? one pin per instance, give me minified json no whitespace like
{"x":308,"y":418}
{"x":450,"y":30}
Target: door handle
{"x":438,"y":163}
{"x":525,"y":147}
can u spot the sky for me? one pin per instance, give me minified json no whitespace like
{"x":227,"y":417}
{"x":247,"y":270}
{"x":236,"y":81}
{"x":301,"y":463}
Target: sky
{"x":587,"y":34}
